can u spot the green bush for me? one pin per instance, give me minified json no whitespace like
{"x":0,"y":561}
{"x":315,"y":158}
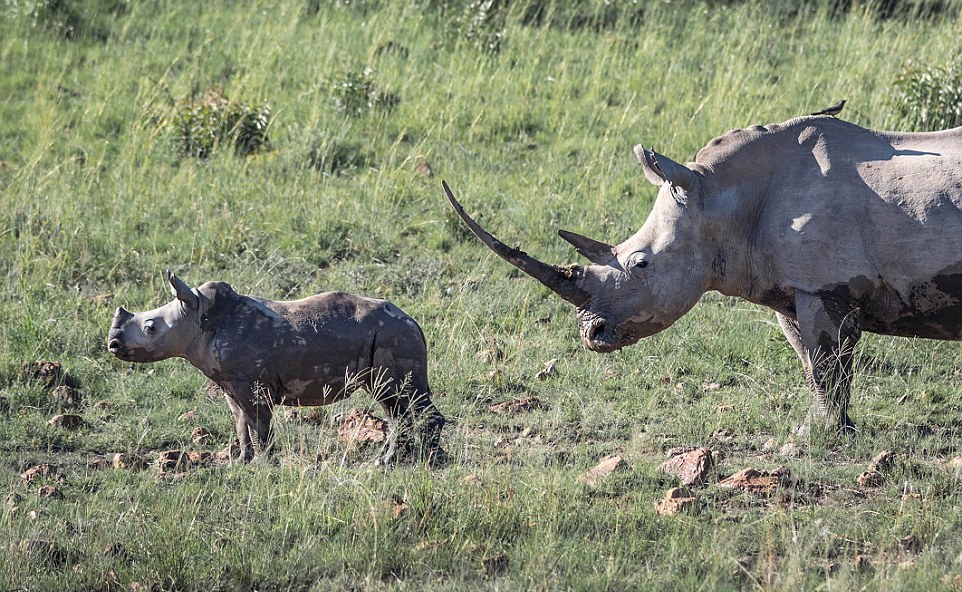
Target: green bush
{"x":355,"y":93}
{"x":930,"y":97}
{"x":199,"y":125}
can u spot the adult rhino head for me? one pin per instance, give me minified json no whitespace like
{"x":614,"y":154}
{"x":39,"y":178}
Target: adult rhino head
{"x":636,"y":288}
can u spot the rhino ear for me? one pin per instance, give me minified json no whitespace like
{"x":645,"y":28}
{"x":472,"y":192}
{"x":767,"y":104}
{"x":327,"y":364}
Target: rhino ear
{"x":595,"y":251}
{"x":660,"y":169}
{"x":182,"y":291}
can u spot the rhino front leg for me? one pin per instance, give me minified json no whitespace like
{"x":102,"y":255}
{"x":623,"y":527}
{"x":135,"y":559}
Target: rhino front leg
{"x":252,"y":417}
{"x":828,"y":330}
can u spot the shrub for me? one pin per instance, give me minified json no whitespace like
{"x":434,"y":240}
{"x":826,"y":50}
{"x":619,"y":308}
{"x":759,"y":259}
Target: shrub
{"x":355,"y":93}
{"x":199,"y":125}
{"x":930,"y":97}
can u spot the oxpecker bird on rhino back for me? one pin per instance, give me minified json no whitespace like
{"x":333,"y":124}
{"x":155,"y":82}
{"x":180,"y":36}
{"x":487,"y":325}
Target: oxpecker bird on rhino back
{"x":313,"y":351}
{"x":837,"y":228}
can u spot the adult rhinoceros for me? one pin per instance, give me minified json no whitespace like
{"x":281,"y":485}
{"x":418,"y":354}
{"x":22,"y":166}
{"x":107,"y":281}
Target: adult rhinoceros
{"x":837,"y":228}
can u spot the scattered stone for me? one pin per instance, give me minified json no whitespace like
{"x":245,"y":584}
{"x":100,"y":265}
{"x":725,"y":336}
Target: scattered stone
{"x":49,"y":374}
{"x":67,"y":421}
{"x":102,"y":404}
{"x":116,"y":550}
{"x":213,"y":391}
{"x":789,"y":449}
{"x":757,"y":481}
{"x":724,"y":408}
{"x":770,"y":444}
{"x":42,"y":471}
{"x":125,"y":460}
{"x":910,"y":544}
{"x":200,"y":435}
{"x":607,"y":466}
{"x":547,"y":371}
{"x":861,"y":564}
{"x":424,"y":168}
{"x":677,"y":500}
{"x":39,"y":551}
{"x":101,"y":299}
{"x":870,"y":478}
{"x":200,"y":458}
{"x":51,"y":492}
{"x":490,"y":355}
{"x":723,"y":436}
{"x":398,"y":507}
{"x":954,"y":464}
{"x":691,"y":467}
{"x":98,"y":463}
{"x":66,"y":397}
{"x":362,"y":428}
{"x":518,"y":405}
{"x":188,"y":416}
{"x":494,"y":564}
{"x":713,"y":386}
{"x":170,"y":460}
{"x":883,"y":461}
{"x":228,"y":452}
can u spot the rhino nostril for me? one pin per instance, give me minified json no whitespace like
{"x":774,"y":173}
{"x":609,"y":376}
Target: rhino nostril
{"x":596,"y":329}
{"x":113,"y":345}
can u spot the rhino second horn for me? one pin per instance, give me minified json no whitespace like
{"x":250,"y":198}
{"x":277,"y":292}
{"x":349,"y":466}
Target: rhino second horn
{"x":563,"y":281}
{"x":595,"y":251}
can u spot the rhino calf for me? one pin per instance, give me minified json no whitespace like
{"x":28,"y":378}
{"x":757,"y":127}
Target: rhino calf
{"x":313,"y":351}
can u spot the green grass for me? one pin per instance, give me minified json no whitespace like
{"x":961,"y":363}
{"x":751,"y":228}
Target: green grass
{"x":97,"y":202}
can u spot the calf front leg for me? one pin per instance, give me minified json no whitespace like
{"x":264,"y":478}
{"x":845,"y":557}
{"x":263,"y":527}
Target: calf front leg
{"x":828,"y":328}
{"x":252,"y":418}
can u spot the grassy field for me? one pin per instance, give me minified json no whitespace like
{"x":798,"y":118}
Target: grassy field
{"x":529,"y":110}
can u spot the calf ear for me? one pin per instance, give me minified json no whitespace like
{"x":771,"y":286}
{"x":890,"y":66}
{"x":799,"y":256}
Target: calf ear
{"x":182,"y":291}
{"x":659,"y":169}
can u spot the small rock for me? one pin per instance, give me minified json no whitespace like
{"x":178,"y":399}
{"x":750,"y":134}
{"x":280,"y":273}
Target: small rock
{"x":910,"y":544}
{"x":102,"y":404}
{"x":98,"y":463}
{"x":42,"y":471}
{"x":518,"y":405}
{"x":723,"y":435}
{"x":494,"y":564}
{"x":188,"y":416}
{"x":691,"y":467}
{"x":861,"y":564}
{"x":770,"y":444}
{"x":724,"y":408}
{"x":50,"y":374}
{"x":883,"y":461}
{"x":362,"y":428}
{"x":51,"y":492}
{"x":712,"y":386}
{"x":757,"y":481}
{"x":124,"y":460}
{"x":788,"y":449}
{"x":954,"y":464}
{"x":67,"y":397}
{"x":199,"y":458}
{"x":170,"y":460}
{"x":547,"y":371}
{"x":199,"y":435}
{"x":424,"y":168}
{"x":67,"y":421}
{"x":607,"y":466}
{"x":228,"y":452}
{"x":870,"y":478}
{"x":398,"y":507}
{"x":39,"y":551}
{"x":677,"y":500}
{"x":490,"y":355}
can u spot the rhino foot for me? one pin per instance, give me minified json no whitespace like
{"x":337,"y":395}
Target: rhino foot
{"x":819,"y":422}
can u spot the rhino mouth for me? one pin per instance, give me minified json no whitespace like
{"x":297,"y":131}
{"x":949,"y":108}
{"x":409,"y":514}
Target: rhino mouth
{"x":601,"y":336}
{"x":129,"y":354}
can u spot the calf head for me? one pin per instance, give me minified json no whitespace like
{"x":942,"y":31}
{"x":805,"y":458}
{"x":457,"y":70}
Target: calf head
{"x":165,"y":332}
{"x":634,"y":289}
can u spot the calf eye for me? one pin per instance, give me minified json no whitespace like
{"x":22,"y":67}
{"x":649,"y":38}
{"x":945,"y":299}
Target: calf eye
{"x":149,"y":327}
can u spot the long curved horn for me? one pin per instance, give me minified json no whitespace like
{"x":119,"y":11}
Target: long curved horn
{"x":563,"y":281}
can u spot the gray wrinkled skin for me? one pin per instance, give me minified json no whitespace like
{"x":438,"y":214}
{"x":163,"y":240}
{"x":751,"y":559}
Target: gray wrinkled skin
{"x":837,"y":228}
{"x":313,"y":351}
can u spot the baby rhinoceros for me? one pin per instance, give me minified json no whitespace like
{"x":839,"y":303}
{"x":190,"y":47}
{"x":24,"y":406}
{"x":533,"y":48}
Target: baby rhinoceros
{"x":313,"y":351}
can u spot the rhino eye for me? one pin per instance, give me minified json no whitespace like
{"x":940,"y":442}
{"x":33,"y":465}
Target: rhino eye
{"x":149,"y":327}
{"x":637,"y":261}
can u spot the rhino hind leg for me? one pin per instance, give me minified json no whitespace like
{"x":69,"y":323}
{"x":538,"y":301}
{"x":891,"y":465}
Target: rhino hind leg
{"x":824,"y":335}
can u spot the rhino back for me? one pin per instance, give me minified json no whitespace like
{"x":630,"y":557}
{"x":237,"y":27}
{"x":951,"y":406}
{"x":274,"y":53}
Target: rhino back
{"x":875,"y":217}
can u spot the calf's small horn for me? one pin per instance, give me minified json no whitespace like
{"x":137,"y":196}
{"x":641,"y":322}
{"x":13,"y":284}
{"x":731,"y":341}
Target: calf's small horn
{"x":563,"y":281}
